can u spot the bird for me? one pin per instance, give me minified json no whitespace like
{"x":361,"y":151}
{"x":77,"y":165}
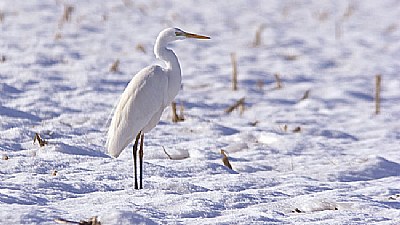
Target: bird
{"x":144,"y":99}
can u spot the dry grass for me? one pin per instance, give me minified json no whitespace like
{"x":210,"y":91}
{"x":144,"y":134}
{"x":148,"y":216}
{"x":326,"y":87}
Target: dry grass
{"x":115,"y":66}
{"x":2,"y":16}
{"x":41,"y":141}
{"x":378,"y":80}
{"x":67,"y":15}
{"x":4,"y":157}
{"x":91,"y":221}
{"x":255,"y":123}
{"x":140,"y":48}
{"x":234,"y":71}
{"x":290,"y":57}
{"x":58,"y":36}
{"x":306,"y":95}
{"x":297,"y":130}
{"x":225,"y":159}
{"x":394,"y":197}
{"x":391,"y":28}
{"x":278,"y":81}
{"x":258,"y":37}
{"x":260,"y":84}
{"x":238,"y":104}
{"x":175,"y":158}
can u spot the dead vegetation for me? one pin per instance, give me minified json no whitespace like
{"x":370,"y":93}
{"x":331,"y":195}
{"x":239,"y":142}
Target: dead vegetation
{"x":290,"y":57}
{"x":2,"y":16}
{"x":140,"y":48}
{"x":176,"y":157}
{"x":58,"y":36}
{"x":306,"y":95}
{"x":378,"y":80}
{"x":297,"y":130}
{"x":67,"y":15}
{"x":4,"y":157}
{"x":234,"y":71}
{"x":258,"y":37}
{"x":115,"y":66}
{"x":278,"y":81}
{"x":394,"y":197}
{"x":41,"y":141}
{"x":90,"y":221}
{"x":225,"y":159}
{"x":260,"y":85}
{"x":238,"y":104}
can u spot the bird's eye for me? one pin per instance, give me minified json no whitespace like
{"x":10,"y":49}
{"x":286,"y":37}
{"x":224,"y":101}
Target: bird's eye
{"x":178,"y":33}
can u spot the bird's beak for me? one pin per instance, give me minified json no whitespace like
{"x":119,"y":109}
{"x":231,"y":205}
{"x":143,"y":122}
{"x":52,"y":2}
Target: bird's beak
{"x":197,"y":36}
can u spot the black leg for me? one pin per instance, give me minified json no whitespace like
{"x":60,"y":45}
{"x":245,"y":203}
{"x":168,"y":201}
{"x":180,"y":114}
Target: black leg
{"x":134,"y":160}
{"x":141,"y":160}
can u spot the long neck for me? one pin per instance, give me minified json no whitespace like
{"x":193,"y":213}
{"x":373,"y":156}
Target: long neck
{"x":167,"y":56}
{"x":173,"y":69}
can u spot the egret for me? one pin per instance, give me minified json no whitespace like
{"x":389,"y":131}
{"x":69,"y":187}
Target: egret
{"x":144,"y":99}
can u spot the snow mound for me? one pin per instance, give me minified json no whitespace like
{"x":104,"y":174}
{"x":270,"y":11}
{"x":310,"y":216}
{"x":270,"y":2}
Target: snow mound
{"x":372,"y":167}
{"x":121,"y":217}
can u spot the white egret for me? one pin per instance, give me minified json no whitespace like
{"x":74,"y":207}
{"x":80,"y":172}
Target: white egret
{"x":144,"y":99}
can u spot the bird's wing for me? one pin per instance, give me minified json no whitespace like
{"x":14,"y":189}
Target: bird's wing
{"x":145,"y":94}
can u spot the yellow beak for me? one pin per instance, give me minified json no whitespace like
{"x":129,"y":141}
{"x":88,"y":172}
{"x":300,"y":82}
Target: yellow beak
{"x":197,"y":36}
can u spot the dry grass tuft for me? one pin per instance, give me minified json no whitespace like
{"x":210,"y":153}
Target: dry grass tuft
{"x":4,"y":157}
{"x":349,"y":11}
{"x":297,"y":210}
{"x":258,"y":38}
{"x":67,"y":15}
{"x":260,"y":84}
{"x":91,"y":221}
{"x":290,"y":57}
{"x":140,"y":48}
{"x":239,"y":104}
{"x":391,"y":28}
{"x":234,"y":71}
{"x":394,"y":197}
{"x":297,"y":130}
{"x":175,"y":158}
{"x":322,"y":15}
{"x":306,"y":95}
{"x":278,"y":81}
{"x":115,"y":66}
{"x":2,"y":16}
{"x":58,"y":36}
{"x":41,"y":141}
{"x":378,"y":80}
{"x":253,"y":124}
{"x":128,"y":3}
{"x":225,"y":160}
{"x":285,"y":128}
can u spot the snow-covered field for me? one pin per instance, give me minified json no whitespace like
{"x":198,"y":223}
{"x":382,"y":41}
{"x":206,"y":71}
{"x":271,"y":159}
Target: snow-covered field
{"x":342,"y":167}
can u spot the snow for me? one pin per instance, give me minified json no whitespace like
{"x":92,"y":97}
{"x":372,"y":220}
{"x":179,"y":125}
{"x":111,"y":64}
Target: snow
{"x":343,"y":167}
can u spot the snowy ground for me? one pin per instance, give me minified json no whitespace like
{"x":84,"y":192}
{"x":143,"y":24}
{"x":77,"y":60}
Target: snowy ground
{"x":343,"y":167}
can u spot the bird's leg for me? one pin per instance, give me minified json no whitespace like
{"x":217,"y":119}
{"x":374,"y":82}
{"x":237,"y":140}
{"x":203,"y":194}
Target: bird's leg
{"x":141,"y":160}
{"x":135,"y":145}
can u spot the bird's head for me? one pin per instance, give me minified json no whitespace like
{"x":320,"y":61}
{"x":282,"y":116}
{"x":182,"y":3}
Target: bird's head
{"x":174,"y":34}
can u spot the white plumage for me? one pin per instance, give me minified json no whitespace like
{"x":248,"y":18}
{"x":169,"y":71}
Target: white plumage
{"x":147,"y":95}
{"x":139,"y":108}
